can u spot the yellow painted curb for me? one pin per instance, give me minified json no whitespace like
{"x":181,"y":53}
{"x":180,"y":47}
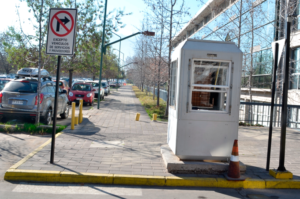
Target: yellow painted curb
{"x":139,"y":180}
{"x":254,"y":184}
{"x":32,"y":175}
{"x":282,"y":184}
{"x":281,"y":174}
{"x":224,"y":183}
{"x":30,"y":155}
{"x":74,"y":177}
{"x":191,"y":181}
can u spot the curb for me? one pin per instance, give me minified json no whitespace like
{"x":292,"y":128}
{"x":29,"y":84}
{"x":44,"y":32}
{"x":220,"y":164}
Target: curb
{"x":14,"y":174}
{"x":116,"y":179}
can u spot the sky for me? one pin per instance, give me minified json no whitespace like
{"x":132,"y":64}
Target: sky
{"x":9,"y":17}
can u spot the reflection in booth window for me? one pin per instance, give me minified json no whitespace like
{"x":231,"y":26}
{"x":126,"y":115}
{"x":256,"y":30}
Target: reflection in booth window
{"x":210,"y":85}
{"x":173,"y":84}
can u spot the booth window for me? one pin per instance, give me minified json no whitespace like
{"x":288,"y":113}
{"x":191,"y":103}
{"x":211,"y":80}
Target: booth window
{"x":173,"y":84}
{"x":210,"y":85}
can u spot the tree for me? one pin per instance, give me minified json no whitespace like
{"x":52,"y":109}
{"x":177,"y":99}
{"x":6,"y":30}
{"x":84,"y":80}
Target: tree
{"x":169,"y":15}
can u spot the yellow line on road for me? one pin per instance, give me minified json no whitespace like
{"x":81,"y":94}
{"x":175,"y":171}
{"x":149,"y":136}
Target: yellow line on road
{"x":30,"y":155}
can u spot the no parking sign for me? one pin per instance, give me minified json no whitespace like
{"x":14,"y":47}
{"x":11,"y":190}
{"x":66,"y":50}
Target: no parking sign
{"x":61,"y":31}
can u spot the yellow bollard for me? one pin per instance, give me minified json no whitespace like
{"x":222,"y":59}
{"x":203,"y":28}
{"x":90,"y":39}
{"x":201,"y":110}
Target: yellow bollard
{"x":73,"y":116}
{"x":154,"y":117}
{"x":137,"y":117}
{"x":80,"y":111}
{"x":76,"y":120}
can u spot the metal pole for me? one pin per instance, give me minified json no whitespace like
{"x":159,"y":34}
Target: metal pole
{"x":55,"y":110}
{"x":119,"y":65}
{"x":37,"y":119}
{"x":102,"y":48}
{"x":119,"y":59}
{"x":272,"y":106}
{"x":284,"y":97}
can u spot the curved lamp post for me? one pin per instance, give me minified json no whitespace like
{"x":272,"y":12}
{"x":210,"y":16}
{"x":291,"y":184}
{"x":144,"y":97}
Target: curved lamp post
{"x":103,"y":47}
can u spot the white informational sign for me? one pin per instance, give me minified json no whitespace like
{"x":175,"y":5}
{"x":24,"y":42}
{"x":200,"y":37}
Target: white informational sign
{"x":61,"y":31}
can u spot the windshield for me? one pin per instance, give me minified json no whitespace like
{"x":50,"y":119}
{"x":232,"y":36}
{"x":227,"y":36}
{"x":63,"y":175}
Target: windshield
{"x":15,"y":86}
{"x":94,"y":84}
{"x":81,"y":87}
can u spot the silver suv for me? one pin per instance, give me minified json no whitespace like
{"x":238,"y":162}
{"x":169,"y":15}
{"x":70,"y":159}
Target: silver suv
{"x":18,"y":99}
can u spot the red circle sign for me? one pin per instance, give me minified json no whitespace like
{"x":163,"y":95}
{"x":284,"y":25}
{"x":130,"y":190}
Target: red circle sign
{"x":62,"y":24}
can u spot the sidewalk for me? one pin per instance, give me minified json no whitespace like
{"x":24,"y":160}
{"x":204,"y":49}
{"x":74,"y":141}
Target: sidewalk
{"x":110,"y":141}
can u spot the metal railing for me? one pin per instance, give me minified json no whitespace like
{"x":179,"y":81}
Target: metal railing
{"x":163,"y":94}
{"x":259,"y":113}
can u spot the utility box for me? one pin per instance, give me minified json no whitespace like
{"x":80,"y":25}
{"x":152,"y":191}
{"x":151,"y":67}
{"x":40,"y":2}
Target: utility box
{"x":204,"y":99}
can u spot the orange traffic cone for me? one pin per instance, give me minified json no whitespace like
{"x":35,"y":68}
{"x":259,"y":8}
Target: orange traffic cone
{"x":234,"y":164}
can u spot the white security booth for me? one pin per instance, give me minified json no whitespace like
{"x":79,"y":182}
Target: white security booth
{"x":204,"y":99}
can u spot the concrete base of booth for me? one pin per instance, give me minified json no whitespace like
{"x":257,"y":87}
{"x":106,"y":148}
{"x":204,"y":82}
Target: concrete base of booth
{"x":175,"y":165}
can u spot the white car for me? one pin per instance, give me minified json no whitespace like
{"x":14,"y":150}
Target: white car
{"x":95,"y":85}
{"x":106,"y":87}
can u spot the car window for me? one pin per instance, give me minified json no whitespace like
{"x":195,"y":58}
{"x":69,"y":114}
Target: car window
{"x":44,"y":90}
{"x":22,"y":86}
{"x":50,"y":89}
{"x":81,"y":87}
{"x":95,"y":84}
{"x":103,"y":84}
{"x":60,"y":84}
{"x":4,"y":81}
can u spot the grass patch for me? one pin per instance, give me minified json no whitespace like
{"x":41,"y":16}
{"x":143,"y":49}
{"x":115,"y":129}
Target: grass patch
{"x":248,"y":124}
{"x":29,"y":128}
{"x":150,"y":104}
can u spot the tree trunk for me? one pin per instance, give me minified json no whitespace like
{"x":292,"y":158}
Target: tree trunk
{"x":37,"y":119}
{"x":169,"y":61}
{"x":153,"y":91}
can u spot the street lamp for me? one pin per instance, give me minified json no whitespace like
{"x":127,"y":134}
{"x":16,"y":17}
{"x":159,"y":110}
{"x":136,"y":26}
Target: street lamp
{"x":103,"y":47}
{"x":119,"y":59}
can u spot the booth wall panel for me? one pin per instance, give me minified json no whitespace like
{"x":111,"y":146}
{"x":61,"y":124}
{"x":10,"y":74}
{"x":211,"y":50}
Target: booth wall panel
{"x":172,"y":129}
{"x":194,"y":137}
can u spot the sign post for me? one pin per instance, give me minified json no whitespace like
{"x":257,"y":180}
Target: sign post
{"x":60,"y":41}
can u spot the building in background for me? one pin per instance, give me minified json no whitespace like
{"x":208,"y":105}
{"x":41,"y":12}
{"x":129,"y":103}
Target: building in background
{"x":253,"y":25}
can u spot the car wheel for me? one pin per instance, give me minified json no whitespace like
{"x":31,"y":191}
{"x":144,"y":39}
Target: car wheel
{"x":65,"y":114}
{"x":91,"y":103}
{"x":47,"y":119}
{"x":105,"y":94}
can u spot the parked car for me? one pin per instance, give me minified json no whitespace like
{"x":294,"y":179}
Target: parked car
{"x":63,"y":85}
{"x":106,"y":87}
{"x":19,"y":99}
{"x":95,"y":85}
{"x":83,"y":91}
{"x":113,"y":85}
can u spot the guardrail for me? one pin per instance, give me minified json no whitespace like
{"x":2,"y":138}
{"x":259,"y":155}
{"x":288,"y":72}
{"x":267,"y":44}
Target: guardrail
{"x":163,"y":94}
{"x":259,"y":113}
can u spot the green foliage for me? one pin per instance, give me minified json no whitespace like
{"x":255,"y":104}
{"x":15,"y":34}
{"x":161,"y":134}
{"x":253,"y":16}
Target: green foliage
{"x":150,"y":104}
{"x":29,"y":128}
{"x":248,"y":124}
{"x":24,"y":50}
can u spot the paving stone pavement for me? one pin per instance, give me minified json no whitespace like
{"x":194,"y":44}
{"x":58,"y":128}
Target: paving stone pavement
{"x":110,"y":141}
